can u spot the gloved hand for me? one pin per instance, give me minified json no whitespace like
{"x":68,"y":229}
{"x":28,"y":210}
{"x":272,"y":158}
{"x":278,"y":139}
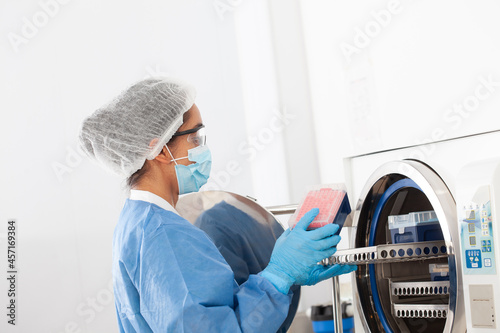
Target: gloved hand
{"x":297,"y":252}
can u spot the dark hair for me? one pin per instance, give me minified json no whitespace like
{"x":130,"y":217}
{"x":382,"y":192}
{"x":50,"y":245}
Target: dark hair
{"x":136,"y":177}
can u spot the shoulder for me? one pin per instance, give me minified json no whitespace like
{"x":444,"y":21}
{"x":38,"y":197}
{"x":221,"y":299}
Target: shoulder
{"x":175,"y":228}
{"x":142,"y":220}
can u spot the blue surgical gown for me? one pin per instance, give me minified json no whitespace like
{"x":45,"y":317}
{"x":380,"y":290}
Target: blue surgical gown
{"x":168,"y":276}
{"x":245,"y":244}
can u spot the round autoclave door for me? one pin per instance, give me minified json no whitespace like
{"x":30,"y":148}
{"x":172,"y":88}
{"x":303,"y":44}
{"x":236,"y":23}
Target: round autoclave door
{"x":423,"y":294}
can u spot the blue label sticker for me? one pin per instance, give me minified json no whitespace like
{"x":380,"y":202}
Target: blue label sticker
{"x":473,"y":258}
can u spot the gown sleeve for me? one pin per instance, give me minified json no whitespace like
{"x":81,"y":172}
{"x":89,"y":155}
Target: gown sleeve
{"x":185,"y":285}
{"x":245,"y":244}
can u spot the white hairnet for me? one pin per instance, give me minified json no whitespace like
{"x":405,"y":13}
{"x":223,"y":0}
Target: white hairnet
{"x":118,"y":135}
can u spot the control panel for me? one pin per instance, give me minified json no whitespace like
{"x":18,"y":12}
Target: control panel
{"x":476,"y":230}
{"x":478,"y":201}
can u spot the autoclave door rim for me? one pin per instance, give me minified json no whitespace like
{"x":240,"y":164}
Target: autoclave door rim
{"x":438,"y":194}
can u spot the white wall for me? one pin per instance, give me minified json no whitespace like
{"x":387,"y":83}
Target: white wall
{"x":265,"y":112}
{"x":84,"y":54}
{"x":294,"y":92}
{"x":399,"y":86}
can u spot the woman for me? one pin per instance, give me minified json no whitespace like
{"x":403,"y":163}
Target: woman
{"x":167,"y":274}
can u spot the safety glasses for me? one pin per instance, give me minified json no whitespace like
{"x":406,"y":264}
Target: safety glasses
{"x":196,"y":136}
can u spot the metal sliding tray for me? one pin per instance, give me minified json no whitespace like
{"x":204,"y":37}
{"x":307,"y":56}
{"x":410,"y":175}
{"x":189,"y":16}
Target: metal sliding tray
{"x":388,"y":253}
{"x":420,"y":310}
{"x":420,"y":288}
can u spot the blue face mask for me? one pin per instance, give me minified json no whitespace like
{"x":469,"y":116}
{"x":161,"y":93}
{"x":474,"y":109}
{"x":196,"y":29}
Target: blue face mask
{"x":191,"y":177}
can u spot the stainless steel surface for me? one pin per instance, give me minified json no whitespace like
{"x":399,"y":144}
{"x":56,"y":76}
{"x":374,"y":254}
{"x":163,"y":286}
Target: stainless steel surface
{"x":191,"y":205}
{"x":421,"y":310}
{"x":283,"y":209}
{"x":290,"y":209}
{"x":438,"y":197}
{"x":388,"y":253}
{"x":337,"y":306}
{"x":420,"y":288}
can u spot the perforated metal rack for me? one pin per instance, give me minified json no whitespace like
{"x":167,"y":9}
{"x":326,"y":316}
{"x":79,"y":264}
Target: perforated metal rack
{"x":420,"y":288}
{"x":400,"y":291}
{"x":420,"y":310}
{"x":388,"y":253}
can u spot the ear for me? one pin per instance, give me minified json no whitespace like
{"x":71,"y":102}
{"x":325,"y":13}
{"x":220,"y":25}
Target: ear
{"x":164,"y":155}
{"x":153,"y":142}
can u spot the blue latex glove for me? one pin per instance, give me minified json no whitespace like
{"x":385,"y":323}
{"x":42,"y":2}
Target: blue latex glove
{"x":297,"y":252}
